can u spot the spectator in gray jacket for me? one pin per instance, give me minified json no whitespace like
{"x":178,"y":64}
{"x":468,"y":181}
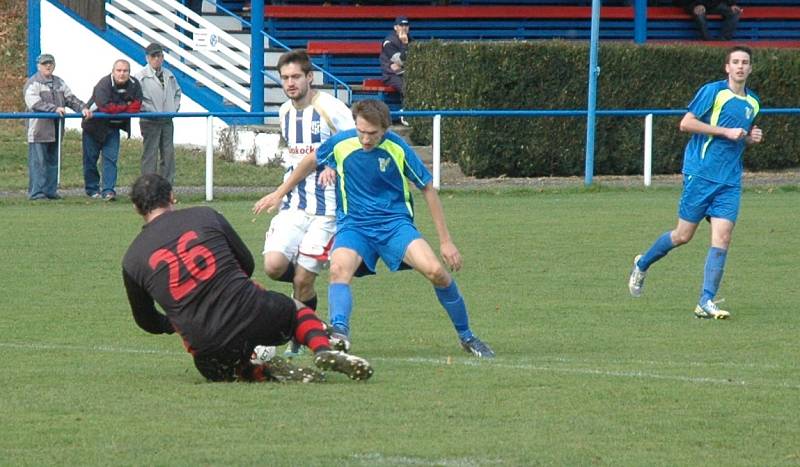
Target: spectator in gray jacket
{"x":161,"y":93}
{"x":45,"y":92}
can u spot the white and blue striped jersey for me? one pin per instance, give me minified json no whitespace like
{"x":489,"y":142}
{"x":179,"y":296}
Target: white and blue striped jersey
{"x":304,"y":130}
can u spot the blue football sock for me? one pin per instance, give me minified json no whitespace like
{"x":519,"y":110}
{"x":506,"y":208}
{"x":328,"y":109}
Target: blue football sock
{"x":452,"y":301}
{"x":712,"y":275}
{"x":660,"y":248}
{"x":340,"y":301}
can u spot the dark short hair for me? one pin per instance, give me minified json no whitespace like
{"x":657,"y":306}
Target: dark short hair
{"x":739,"y":48}
{"x":150,"y":192}
{"x":373,"y":111}
{"x":299,"y":56}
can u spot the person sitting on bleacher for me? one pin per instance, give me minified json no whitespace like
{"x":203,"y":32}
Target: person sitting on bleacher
{"x":699,"y":9}
{"x":393,"y":56}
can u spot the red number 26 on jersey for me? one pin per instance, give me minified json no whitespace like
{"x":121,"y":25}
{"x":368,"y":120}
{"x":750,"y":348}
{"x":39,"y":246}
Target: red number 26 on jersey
{"x":198,"y":260}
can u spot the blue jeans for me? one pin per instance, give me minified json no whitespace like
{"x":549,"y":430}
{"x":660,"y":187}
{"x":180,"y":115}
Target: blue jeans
{"x":91,"y":153}
{"x":42,"y":170}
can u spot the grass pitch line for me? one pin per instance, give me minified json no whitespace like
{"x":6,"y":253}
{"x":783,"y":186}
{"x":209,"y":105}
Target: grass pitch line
{"x":637,"y":374}
{"x":376,"y":458}
{"x":665,"y":363}
{"x":79,"y":348}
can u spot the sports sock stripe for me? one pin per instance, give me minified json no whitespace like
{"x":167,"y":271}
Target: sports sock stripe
{"x":310,"y":331}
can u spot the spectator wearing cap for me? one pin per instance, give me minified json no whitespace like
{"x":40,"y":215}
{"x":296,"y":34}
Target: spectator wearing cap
{"x":113,"y":94}
{"x":46,"y":92}
{"x":393,"y":55}
{"x":160,"y":93}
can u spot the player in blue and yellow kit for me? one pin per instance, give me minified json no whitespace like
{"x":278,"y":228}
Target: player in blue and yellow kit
{"x":721,"y":117}
{"x":375,"y":218}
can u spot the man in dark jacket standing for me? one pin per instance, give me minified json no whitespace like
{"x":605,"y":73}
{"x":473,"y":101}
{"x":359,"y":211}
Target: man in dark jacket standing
{"x":700,"y":9}
{"x":393,"y":55}
{"x":46,"y":92}
{"x":114,"y":94}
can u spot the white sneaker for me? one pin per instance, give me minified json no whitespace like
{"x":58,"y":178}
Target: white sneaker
{"x":636,"y":280}
{"x":262,"y":354}
{"x":710,"y":310}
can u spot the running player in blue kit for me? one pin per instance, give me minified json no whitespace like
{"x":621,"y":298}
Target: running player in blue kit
{"x":721,"y":117}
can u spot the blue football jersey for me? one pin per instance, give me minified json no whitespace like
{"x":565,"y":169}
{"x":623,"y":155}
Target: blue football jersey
{"x":372,"y":187}
{"x":712,"y":157}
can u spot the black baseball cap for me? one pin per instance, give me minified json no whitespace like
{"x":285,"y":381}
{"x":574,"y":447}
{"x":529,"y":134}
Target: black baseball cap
{"x":401,"y":20}
{"x":154,"y":48}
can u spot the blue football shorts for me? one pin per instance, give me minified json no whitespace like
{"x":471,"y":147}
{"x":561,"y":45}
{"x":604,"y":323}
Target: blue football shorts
{"x":703,"y":198}
{"x":388,"y":242}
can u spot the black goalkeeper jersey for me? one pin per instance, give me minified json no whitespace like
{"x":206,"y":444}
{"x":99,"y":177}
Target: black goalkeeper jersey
{"x":196,"y":267}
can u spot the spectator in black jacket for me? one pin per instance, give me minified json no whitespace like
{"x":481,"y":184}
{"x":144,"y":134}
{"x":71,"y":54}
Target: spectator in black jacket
{"x":114,"y":94}
{"x":699,"y":9}
{"x":393,"y":55}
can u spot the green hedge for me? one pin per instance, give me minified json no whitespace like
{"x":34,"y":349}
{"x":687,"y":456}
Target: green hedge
{"x":553,"y":75}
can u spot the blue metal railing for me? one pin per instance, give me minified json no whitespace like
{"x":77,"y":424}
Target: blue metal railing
{"x":435,"y":114}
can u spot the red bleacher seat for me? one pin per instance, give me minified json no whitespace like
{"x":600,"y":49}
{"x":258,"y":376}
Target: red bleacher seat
{"x":343,"y":48}
{"x":376,"y":85}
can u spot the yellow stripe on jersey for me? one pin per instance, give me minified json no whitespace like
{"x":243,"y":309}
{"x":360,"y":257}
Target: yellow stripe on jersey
{"x":753,"y":102}
{"x":721,"y":98}
{"x":719,"y":101}
{"x":341,"y":150}
{"x":399,"y":156}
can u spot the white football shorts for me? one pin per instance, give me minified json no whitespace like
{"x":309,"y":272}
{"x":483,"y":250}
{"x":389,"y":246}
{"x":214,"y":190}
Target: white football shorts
{"x":303,"y":238}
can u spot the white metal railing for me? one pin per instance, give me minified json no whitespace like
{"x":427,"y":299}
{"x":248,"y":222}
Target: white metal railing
{"x":164,"y":21}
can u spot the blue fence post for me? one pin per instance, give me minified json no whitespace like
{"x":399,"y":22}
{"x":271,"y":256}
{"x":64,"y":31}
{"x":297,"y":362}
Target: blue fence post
{"x":34,"y":26}
{"x":591,"y":105}
{"x":640,"y":21}
{"x":257,"y":57}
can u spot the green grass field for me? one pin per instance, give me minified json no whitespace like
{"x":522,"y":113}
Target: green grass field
{"x":585,"y":374}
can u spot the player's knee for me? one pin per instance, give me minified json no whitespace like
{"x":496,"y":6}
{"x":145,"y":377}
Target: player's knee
{"x":437,"y":274}
{"x":681,"y":238}
{"x":274,"y":271}
{"x":339,"y":273}
{"x":722,"y":240}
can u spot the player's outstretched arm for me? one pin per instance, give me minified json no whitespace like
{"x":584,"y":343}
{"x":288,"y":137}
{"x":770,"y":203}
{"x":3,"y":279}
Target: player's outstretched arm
{"x":143,"y":308}
{"x":447,"y":248}
{"x":272,"y":200}
{"x":691,"y":124}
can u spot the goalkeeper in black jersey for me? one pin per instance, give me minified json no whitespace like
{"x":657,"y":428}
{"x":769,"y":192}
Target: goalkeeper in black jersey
{"x":196,"y":267}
